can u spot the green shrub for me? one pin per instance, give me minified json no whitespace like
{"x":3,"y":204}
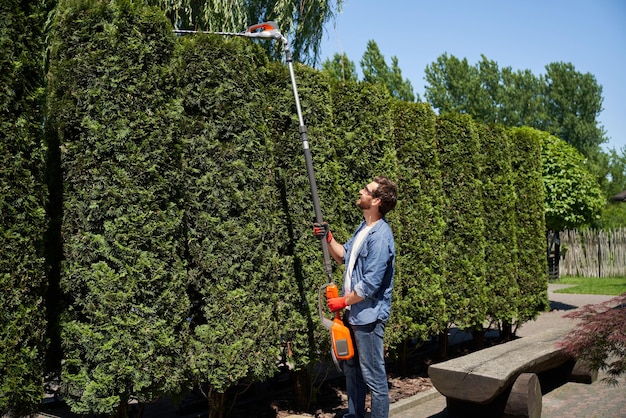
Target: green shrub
{"x":22,"y":208}
{"x":532,"y":274}
{"x":418,"y":310}
{"x":113,"y":110}
{"x":464,"y":283}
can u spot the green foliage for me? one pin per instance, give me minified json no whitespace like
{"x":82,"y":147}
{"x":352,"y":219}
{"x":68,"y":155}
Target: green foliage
{"x":499,"y":200}
{"x":376,"y":70}
{"x":452,"y":84}
{"x":230,"y":206}
{"x":465,"y":287}
{"x":341,"y":68}
{"x":113,"y":111}
{"x":302,"y":22}
{"x":187,"y":244}
{"x":363,"y":142}
{"x":613,"y":216}
{"x":573,"y":198}
{"x":532,"y":274}
{"x":564,"y":102}
{"x":418,"y":309}
{"x":573,"y":104}
{"x":297,"y":313}
{"x":22,"y":208}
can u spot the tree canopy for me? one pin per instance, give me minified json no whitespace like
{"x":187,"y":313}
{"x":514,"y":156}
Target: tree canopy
{"x":573,"y":197}
{"x":375,"y":71}
{"x":563,"y":102}
{"x":341,"y":68}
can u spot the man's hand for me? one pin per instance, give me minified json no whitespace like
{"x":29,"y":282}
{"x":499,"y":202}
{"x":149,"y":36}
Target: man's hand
{"x":320,"y":230}
{"x":337,"y":304}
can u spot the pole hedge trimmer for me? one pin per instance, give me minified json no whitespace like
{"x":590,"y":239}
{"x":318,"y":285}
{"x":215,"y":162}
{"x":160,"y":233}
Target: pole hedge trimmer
{"x":341,"y":342}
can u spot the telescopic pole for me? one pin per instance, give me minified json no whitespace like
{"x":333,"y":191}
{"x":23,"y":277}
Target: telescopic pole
{"x":309,"y":164}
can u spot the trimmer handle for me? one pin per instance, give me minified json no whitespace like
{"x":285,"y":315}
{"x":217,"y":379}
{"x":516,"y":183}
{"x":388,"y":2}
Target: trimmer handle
{"x":332,"y":291}
{"x":329,"y":290}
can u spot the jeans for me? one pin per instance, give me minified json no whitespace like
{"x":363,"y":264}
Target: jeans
{"x":366,"y":370}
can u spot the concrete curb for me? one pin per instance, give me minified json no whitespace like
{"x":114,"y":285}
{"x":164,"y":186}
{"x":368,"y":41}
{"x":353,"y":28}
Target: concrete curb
{"x":408,"y":403}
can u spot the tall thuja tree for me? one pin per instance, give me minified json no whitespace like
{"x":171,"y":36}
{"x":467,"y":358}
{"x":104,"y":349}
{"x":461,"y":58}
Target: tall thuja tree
{"x":364,"y":145}
{"x":499,"y":201}
{"x":112,"y":108}
{"x":231,"y":210}
{"x":532,"y":274}
{"x":22,"y":208}
{"x":298,"y":289}
{"x":464,"y":235}
{"x":418,"y":309}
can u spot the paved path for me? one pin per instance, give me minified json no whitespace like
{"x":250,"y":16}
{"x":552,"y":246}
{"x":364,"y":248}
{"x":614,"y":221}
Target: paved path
{"x":595,"y":400}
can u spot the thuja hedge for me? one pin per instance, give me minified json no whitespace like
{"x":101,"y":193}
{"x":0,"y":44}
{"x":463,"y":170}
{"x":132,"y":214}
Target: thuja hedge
{"x":465,"y":286}
{"x":187,"y":244}
{"x":529,"y":187}
{"x":419,"y":305}
{"x":22,"y":208}
{"x":115,"y":113}
{"x":230,"y":203}
{"x":499,"y":200}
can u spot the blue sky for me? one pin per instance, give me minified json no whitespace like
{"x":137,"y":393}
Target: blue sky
{"x":522,"y":34}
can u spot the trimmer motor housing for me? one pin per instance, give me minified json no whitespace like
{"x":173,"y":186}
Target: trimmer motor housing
{"x":341,"y":341}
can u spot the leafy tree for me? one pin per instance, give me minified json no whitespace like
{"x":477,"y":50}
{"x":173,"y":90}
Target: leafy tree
{"x":376,"y":70}
{"x":573,"y":104}
{"x":452,"y":85}
{"x":499,"y":200}
{"x":573,"y":198}
{"x":564,"y":102}
{"x":230,"y":205}
{"x":521,"y":99}
{"x":340,"y":68}
{"x":300,"y":21}
{"x":418,"y":310}
{"x":22,"y":208}
{"x":616,"y":172}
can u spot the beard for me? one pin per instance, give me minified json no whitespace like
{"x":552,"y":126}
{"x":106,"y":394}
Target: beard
{"x":362,"y":204}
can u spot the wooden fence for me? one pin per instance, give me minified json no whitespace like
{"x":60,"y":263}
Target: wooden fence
{"x":593,"y":253}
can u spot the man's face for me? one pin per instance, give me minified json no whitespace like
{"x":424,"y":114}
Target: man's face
{"x":366,"y":196}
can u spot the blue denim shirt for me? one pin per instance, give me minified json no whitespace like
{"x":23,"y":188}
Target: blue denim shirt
{"x":372,"y":277}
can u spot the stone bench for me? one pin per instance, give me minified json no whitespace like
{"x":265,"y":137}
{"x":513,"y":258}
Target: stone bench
{"x":502,"y":380}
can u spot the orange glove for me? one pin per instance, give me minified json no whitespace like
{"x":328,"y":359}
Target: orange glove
{"x":321,"y":230}
{"x":337,"y":304}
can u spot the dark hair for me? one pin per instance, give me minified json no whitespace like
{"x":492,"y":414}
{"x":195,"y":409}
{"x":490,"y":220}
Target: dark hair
{"x":387,"y":192}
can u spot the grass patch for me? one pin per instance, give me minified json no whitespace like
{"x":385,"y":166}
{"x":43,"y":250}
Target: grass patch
{"x":593,"y":285}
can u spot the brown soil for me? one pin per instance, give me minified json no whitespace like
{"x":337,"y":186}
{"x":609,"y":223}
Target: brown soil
{"x":336,"y":404}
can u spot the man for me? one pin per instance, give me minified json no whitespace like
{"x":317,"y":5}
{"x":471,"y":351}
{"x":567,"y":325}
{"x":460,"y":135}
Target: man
{"x":368,"y":281}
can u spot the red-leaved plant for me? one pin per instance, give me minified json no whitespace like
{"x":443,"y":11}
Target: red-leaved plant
{"x":600,"y":337}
